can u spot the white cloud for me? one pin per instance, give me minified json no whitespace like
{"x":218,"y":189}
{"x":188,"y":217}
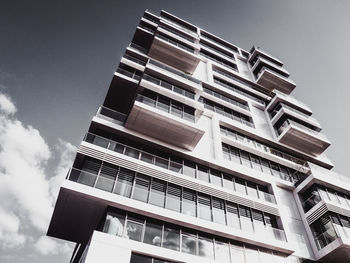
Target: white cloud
{"x":48,"y":246}
{"x":27,"y":194}
{"x":6,"y":105}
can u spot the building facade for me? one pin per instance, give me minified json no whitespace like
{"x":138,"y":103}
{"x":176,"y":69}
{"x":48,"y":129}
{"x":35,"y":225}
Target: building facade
{"x":200,"y":154}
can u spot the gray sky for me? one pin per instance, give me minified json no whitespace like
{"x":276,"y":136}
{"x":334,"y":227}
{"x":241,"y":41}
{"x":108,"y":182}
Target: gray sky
{"x":57,"y":59}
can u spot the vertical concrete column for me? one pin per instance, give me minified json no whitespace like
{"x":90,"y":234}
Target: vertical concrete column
{"x":217,"y":148}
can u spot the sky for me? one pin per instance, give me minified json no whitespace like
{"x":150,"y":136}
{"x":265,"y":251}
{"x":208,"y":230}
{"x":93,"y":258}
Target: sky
{"x":57,"y":59}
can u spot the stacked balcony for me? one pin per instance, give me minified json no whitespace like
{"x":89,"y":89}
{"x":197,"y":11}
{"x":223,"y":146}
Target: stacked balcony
{"x":297,"y":129}
{"x":269,"y":72}
{"x":175,"y":48}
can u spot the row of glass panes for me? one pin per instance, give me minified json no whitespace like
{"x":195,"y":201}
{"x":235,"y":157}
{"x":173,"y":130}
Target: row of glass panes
{"x":134,"y":59}
{"x":317,"y":193}
{"x":218,"y":60}
{"x":280,"y":105}
{"x":128,"y":183}
{"x":138,"y":258}
{"x":231,"y":56}
{"x":235,"y":88}
{"x":166,"y":104}
{"x":190,"y":30}
{"x":227,"y":99}
{"x":227,"y":112}
{"x":258,"y":163}
{"x":127,"y":71}
{"x":206,"y":36}
{"x":169,"y":86}
{"x":182,"y":166}
{"x":175,"y":71}
{"x":169,"y":236}
{"x":178,"y":33}
{"x":175,"y":43}
{"x":259,"y":145}
{"x":329,"y":227}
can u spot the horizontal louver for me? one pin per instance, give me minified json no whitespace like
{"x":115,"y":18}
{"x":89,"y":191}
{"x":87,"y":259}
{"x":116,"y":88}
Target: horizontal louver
{"x":218,"y":204}
{"x":91,"y":165}
{"x":158,"y":186}
{"x":232,"y":208}
{"x":109,"y":170}
{"x":125,"y":175}
{"x":142,"y":181}
{"x":258,"y":216}
{"x":204,"y":200}
{"x":244,"y":211}
{"x":189,"y":195}
{"x":174,"y":190}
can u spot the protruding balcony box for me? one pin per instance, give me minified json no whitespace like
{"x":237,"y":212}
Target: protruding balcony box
{"x":290,"y":101}
{"x":156,"y":120}
{"x":257,"y":52}
{"x":283,"y":111}
{"x":172,"y":51}
{"x":302,"y":138}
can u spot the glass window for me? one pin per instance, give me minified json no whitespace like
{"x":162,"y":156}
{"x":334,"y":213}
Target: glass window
{"x":222,"y":252}
{"x":265,"y":165}
{"x":252,"y":255}
{"x":153,"y":234}
{"x":106,"y":178}
{"x":232,"y":215}
{"x":89,"y":171}
{"x":175,"y":164}
{"x":176,"y":109}
{"x":228,"y":182}
{"x":163,"y":104}
{"x":190,"y":169}
{"x":245,"y":159}
{"x":252,"y":190}
{"x":135,"y":258}
{"x":114,"y":223}
{"x":157,"y":195}
{"x":147,"y":157}
{"x":205,"y":247}
{"x":255,"y":162}
{"x":275,"y":169}
{"x":235,"y":156}
{"x":189,"y":199}
{"x":219,"y":215}
{"x":173,"y":199}
{"x":134,"y":153}
{"x":189,"y":244}
{"x":245,"y":217}
{"x":134,"y":230}
{"x":240,"y":186}
{"x":124,"y":182}
{"x":162,"y":160}
{"x":226,"y":152}
{"x":204,"y":207}
{"x":216,"y":177}
{"x":237,"y":254}
{"x":203,"y":173}
{"x":141,"y":190}
{"x":171,"y":238}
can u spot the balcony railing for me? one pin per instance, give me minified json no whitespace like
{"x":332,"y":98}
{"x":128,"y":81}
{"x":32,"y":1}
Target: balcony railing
{"x":287,"y":123}
{"x":139,"y":48}
{"x":227,"y":99}
{"x":282,"y":105}
{"x":235,"y":89}
{"x":169,"y":86}
{"x":325,"y":238}
{"x":180,"y":26}
{"x":134,"y":75}
{"x":163,"y":163}
{"x":174,"y":71}
{"x":111,"y":115}
{"x":166,"y":108}
{"x":150,"y":30}
{"x":232,"y":57}
{"x":136,"y":60}
{"x":220,"y":62}
{"x":265,"y":148}
{"x":178,"y":34}
{"x":175,"y":43}
{"x":244,"y":224}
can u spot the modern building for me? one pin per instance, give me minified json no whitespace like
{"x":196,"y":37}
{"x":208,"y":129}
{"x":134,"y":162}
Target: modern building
{"x":199,"y":154}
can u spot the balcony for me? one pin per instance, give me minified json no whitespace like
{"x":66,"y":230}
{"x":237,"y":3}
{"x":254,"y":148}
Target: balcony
{"x":282,"y":111}
{"x":271,"y":80}
{"x":111,"y":115}
{"x":177,"y":167}
{"x":123,"y":88}
{"x":173,"y":75}
{"x":333,"y":245}
{"x":125,"y":184}
{"x":302,"y":138}
{"x":165,"y":122}
{"x":258,"y":53}
{"x":290,"y":101}
{"x":174,"y":53}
